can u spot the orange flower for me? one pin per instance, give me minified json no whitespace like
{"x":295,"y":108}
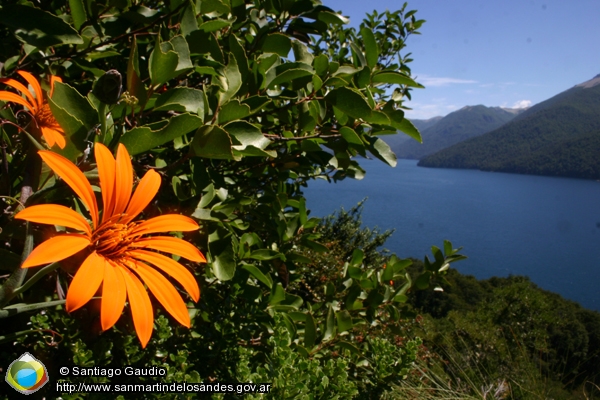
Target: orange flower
{"x":38,"y":106}
{"x":120,"y":257}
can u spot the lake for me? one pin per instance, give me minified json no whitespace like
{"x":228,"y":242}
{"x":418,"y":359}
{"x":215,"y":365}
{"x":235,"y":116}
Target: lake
{"x":543,"y":227}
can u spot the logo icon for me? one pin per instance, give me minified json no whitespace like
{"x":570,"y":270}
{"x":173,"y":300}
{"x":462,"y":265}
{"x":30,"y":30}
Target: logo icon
{"x":27,"y":374}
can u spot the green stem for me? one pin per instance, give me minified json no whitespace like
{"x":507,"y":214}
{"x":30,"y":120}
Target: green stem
{"x":21,"y":308}
{"x":102,"y":115}
{"x":38,"y":275}
{"x":30,"y":182}
{"x":15,"y":280}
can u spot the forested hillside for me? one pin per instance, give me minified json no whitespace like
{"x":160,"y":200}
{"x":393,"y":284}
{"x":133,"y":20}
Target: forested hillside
{"x":468,"y":122}
{"x":510,"y":335}
{"x":557,"y":137}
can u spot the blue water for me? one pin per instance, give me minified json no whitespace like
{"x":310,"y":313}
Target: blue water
{"x":543,"y":227}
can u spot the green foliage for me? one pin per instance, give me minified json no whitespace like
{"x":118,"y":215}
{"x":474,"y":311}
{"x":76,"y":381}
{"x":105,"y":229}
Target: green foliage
{"x":556,"y":137}
{"x":237,"y":106}
{"x":507,"y":329}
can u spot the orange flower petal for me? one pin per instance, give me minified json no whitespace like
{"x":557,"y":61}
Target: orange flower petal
{"x":124,"y":179}
{"x":54,"y":214}
{"x":164,"y":292}
{"x":141,"y":308}
{"x":171,"y":267}
{"x":54,"y":135}
{"x":35,"y":85}
{"x":53,"y":79}
{"x":74,"y":178}
{"x":86,"y":282}
{"x":15,"y":98}
{"x":144,"y":193}
{"x":20,"y":87}
{"x":56,"y":249}
{"x":166,"y":223}
{"x":106,"y":172}
{"x":114,"y":293}
{"x":170,"y":244}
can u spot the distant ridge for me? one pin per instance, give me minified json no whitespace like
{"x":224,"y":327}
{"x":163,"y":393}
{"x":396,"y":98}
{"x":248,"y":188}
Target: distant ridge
{"x":558,"y":137}
{"x":591,"y":83}
{"x":460,"y":125}
{"x":394,"y":141}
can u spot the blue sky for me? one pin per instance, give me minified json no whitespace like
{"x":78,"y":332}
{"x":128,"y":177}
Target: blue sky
{"x":508,"y":53}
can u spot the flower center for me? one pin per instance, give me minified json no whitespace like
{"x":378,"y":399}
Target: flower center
{"x":44,"y":116}
{"x":112,"y":239}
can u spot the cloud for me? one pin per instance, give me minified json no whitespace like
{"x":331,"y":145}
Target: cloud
{"x":522,"y":104}
{"x":426,"y":111}
{"x":441,"y":81}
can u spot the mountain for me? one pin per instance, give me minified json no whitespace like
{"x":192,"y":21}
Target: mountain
{"x":558,"y":137}
{"x":468,"y":122}
{"x":422,"y":124}
{"x":395,"y":141}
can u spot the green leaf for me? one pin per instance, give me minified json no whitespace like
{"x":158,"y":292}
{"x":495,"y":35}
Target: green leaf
{"x":135,"y":86}
{"x":37,"y":27}
{"x":448,"y":251}
{"x":212,"y":142}
{"x":407,"y":127}
{"x":422,"y":281}
{"x":144,"y":138}
{"x":310,"y":331}
{"x":302,"y":53}
{"x":350,"y":136}
{"x":277,"y":43}
{"x":77,"y":12}
{"x":401,"y":298}
{"x":358,"y":57}
{"x":381,"y":150}
{"x":318,"y":247}
{"x":277,"y":295}
{"x":329,"y":325}
{"x":214,"y":25}
{"x":351,"y":297}
{"x":236,"y":47}
{"x":357,"y":257}
{"x":349,"y":346}
{"x":266,"y":254}
{"x":180,"y":46}
{"x":256,"y":103}
{"x":330,"y":17}
{"x":288,"y":76}
{"x":209,"y":6}
{"x":289,"y":324}
{"x":258,"y":274}
{"x":67,"y":97}
{"x":189,"y":23}
{"x":233,"y":110}
{"x":350,"y":102}
{"x":230,"y":81}
{"x":371,"y":47}
{"x":344,"y":321}
{"x":388,"y":274}
{"x":393,"y":77}
{"x":163,"y":63}
{"x":246,"y":137}
{"x":223,"y":260}
{"x":181,"y":99}
{"x":321,"y":64}
{"x":76,"y":116}
{"x":401,"y":265}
